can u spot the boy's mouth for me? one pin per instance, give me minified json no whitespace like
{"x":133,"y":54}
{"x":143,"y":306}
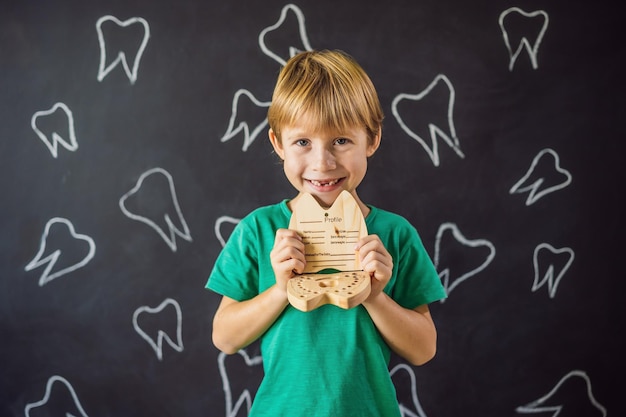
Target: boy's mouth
{"x":325,"y":183}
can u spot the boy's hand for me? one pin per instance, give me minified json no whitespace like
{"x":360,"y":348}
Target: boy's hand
{"x":377,"y":261}
{"x":287,"y":256}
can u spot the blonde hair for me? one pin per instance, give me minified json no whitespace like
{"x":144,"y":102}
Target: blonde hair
{"x":331,"y":88}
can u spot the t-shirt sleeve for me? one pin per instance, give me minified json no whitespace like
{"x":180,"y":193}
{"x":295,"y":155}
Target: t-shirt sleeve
{"x":236,"y":266}
{"x":418,"y":282}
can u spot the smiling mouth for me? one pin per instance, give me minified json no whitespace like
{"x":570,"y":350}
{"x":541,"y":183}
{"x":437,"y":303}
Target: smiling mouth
{"x":325,"y":183}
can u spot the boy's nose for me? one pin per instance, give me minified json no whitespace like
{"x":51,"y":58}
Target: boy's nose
{"x":323,"y":160}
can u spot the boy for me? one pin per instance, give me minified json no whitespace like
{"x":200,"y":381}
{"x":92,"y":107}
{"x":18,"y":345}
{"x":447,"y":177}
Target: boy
{"x":325,"y":122}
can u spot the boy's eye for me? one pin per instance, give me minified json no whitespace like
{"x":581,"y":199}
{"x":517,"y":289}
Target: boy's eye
{"x":302,"y":142}
{"x":341,"y":141}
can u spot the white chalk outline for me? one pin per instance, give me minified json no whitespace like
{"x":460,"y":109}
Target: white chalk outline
{"x":232,"y":131}
{"x":161,"y":335}
{"x":452,"y":140}
{"x":121,"y":55}
{"x":548,"y":277}
{"x":534,"y":187}
{"x":46,"y":398}
{"x":51,"y":259}
{"x":406,"y":412}
{"x":524,"y":43}
{"x":537,"y":405}
{"x":171,"y":240}
{"x":445,"y":274}
{"x":246,"y":396}
{"x":302,"y":30}
{"x":56,"y":138}
{"x":218,"y":227}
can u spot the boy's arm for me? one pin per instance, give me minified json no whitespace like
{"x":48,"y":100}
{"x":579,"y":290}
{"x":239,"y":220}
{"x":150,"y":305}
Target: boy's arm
{"x":236,"y":324}
{"x":409,"y":333}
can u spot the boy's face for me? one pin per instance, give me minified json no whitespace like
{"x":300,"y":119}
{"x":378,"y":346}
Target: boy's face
{"x":323,"y":163}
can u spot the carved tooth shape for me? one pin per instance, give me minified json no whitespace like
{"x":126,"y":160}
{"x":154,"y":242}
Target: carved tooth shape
{"x":329,"y":236}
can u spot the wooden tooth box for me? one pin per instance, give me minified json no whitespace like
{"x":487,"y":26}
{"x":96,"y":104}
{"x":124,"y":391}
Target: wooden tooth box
{"x":329,"y":237}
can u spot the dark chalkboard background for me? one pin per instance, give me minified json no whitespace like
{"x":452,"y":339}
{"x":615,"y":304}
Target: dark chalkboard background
{"x":502,"y":345}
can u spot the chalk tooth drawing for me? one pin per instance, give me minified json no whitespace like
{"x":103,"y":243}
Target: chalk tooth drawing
{"x":535,"y":184}
{"x":416,"y":410}
{"x":51,"y":256}
{"x":157,"y":343}
{"x":235,"y":127}
{"x":121,"y":58}
{"x":54,"y":139}
{"x":292,"y":50}
{"x":245,"y":398}
{"x":435,"y":131}
{"x":218,"y":227}
{"x":66,"y":386}
{"x":449,"y":280}
{"x":550,"y":402}
{"x":524,"y":43}
{"x":158,"y":174}
{"x":549,"y":277}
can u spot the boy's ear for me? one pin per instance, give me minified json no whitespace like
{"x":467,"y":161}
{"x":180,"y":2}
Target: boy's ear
{"x":374,"y":144}
{"x":276,"y":144}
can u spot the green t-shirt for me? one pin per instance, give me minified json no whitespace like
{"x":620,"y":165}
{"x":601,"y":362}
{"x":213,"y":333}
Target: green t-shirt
{"x":329,"y":361}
